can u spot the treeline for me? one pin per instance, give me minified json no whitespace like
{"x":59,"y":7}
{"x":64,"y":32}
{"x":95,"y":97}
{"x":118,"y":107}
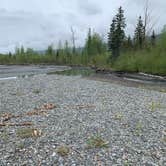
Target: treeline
{"x":142,"y":52}
{"x":94,"y":52}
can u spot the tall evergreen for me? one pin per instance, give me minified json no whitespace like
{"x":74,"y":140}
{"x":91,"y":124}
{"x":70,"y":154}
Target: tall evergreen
{"x":89,"y":42}
{"x":67,"y":51}
{"x":111,"y":36}
{"x":139,"y":34}
{"x":50,"y":50}
{"x":22,"y":51}
{"x":153,"y":38}
{"x":117,"y":33}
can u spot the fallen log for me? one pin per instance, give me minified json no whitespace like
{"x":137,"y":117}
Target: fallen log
{"x":16,"y":124}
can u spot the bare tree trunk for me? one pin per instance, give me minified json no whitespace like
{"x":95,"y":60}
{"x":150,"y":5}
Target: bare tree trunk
{"x":73,"y":39}
{"x":149,"y":20}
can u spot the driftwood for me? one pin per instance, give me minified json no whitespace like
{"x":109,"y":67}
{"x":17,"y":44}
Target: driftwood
{"x":48,"y":106}
{"x":85,"y":106}
{"x":40,"y":111}
{"x":7,"y":116}
{"x":16,"y":124}
{"x":79,"y":107}
{"x":36,"y":113}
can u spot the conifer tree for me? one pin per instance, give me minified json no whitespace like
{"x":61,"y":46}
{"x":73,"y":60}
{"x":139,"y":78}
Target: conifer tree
{"x":50,"y":50}
{"x":111,"y":36}
{"x":22,"y":50}
{"x":89,"y":43}
{"x":139,"y":33}
{"x":67,"y":51}
{"x":117,"y":33}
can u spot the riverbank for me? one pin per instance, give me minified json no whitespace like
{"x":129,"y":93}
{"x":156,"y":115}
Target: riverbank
{"x":71,"y":120}
{"x":140,"y":80}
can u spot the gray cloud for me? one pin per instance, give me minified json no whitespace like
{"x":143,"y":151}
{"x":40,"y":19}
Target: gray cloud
{"x":89,"y":8}
{"x":36,"y":23}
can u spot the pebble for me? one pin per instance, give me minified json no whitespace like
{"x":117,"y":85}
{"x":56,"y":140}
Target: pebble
{"x":85,"y":108}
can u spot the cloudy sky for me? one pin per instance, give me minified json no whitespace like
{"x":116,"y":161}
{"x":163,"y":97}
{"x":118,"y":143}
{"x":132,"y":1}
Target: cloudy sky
{"x":38,"y":23}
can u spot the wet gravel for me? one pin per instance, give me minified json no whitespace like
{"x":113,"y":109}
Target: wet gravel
{"x":131,"y":120}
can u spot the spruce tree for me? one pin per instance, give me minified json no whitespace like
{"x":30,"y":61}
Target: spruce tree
{"x":50,"y":50}
{"x":89,"y":43}
{"x":120,"y":21}
{"x":67,"y":51}
{"x":139,"y":33}
{"x":117,"y":33}
{"x":22,"y":50}
{"x":111,"y":36}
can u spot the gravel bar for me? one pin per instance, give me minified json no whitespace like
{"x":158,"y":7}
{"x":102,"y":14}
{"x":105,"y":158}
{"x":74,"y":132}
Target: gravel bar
{"x":131,"y":121}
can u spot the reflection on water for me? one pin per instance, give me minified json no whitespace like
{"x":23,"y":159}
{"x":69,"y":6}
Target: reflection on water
{"x":8,"y":78}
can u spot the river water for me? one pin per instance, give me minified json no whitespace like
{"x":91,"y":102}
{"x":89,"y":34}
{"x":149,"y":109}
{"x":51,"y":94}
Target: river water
{"x":9,"y":72}
{"x":14,"y":71}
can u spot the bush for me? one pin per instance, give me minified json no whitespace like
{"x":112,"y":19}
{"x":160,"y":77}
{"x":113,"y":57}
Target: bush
{"x":151,"y":61}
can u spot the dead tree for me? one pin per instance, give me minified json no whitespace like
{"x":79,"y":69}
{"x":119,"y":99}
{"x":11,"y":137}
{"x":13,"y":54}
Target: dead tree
{"x":73,"y":37}
{"x":149,"y":20}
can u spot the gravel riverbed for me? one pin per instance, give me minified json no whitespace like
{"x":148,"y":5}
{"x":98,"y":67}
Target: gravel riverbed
{"x":130,"y":121}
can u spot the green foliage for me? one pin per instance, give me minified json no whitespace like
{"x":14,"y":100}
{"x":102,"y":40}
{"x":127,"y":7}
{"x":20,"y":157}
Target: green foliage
{"x":50,"y":50}
{"x":151,"y":60}
{"x":138,"y":129}
{"x":142,"y":61}
{"x":97,"y":142}
{"x":63,"y":150}
{"x":28,"y":133}
{"x":94,"y":44}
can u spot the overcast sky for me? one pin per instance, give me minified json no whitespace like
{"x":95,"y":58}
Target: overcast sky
{"x":38,"y":23}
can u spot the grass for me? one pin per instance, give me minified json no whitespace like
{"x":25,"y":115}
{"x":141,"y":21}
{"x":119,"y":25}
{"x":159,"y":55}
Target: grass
{"x":126,"y":163}
{"x":18,"y":93}
{"x":4,"y":135}
{"x":36,"y":91}
{"x":21,"y":145}
{"x":154,"y":106}
{"x":138,"y":129}
{"x":63,"y":150}
{"x":28,"y":133}
{"x":97,"y":142}
{"x":118,"y":116}
{"x":164,"y":139}
{"x":162,"y":90}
